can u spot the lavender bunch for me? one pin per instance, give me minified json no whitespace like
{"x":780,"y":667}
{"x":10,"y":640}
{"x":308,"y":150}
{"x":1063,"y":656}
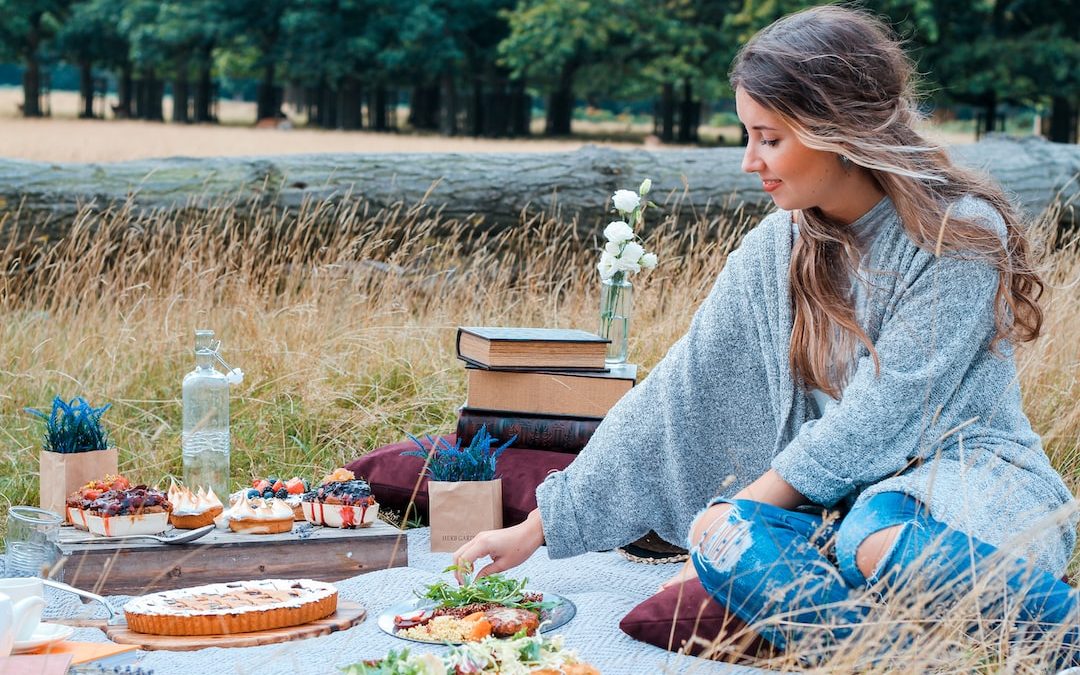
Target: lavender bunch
{"x":446,"y":462}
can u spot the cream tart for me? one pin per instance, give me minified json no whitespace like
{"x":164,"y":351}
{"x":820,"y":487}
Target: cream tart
{"x":257,"y":516}
{"x":341,"y":501}
{"x":191,"y":511}
{"x":235,"y":607}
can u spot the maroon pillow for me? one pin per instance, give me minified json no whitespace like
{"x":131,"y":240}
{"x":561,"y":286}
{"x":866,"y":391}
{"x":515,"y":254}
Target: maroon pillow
{"x":668,"y":621}
{"x":393,"y":477}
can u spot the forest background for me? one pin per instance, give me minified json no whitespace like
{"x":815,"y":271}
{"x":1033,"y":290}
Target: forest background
{"x":484,"y":68}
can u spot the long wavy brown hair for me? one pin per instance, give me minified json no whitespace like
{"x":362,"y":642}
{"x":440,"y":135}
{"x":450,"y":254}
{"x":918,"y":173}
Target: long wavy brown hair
{"x":841,"y":79}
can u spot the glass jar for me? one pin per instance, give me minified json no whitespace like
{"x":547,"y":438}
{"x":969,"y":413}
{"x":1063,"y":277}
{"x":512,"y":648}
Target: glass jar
{"x":205,"y":442}
{"x":32,"y":543}
{"x":616,"y":304}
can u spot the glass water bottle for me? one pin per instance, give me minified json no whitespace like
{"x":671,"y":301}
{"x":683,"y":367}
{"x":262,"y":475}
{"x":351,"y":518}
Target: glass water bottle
{"x":205,"y":442}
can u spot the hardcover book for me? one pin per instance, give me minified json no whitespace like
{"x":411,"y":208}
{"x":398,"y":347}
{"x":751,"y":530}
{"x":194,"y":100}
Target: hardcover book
{"x":559,"y":433}
{"x":581,"y":394}
{"x":531,"y":348}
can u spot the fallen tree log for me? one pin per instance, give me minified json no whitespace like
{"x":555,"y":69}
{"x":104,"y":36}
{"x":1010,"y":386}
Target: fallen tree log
{"x":490,"y":188}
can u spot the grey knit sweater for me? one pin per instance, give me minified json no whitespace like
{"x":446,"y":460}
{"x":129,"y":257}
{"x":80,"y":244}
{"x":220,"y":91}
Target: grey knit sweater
{"x":942,"y":421}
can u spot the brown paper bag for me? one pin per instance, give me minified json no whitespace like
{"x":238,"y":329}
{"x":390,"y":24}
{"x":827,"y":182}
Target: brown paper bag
{"x":63,"y":473}
{"x":460,"y":510}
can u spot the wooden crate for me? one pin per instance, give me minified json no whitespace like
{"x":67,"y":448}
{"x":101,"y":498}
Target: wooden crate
{"x":144,"y":566}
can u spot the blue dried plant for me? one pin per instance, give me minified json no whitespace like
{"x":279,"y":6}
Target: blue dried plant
{"x":448,"y":463}
{"x":74,"y":426}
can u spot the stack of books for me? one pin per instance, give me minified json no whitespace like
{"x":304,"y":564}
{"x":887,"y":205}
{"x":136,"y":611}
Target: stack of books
{"x":548,"y":386}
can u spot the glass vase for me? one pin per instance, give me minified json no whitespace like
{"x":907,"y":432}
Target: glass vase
{"x":616,"y":304}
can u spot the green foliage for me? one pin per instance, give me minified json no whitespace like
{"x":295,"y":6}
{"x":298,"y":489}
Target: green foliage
{"x":493,"y":588}
{"x":73,"y":427}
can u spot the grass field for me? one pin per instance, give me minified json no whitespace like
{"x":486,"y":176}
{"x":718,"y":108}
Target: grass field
{"x":345,"y":333}
{"x":64,"y":138}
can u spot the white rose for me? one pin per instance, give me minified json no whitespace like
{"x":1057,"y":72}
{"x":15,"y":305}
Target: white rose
{"x":613,"y":247}
{"x":646,"y":185}
{"x":618,"y":231}
{"x":625,"y":201}
{"x":624,"y":265}
{"x":632,"y":252}
{"x":648,"y":261}
{"x":606,"y":266}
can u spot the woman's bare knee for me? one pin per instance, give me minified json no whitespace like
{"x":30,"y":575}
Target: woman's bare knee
{"x":870,"y":552}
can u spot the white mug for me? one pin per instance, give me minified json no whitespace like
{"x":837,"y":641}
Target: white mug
{"x":7,"y":630}
{"x":26,"y":595}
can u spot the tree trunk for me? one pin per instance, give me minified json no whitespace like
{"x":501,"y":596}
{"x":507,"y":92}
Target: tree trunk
{"x":268,"y":101}
{"x":32,"y":77}
{"x":477,"y":114}
{"x":377,"y":107}
{"x":86,"y":89}
{"x":667,"y":113}
{"x":495,"y":187}
{"x":449,"y":112}
{"x":350,"y":108}
{"x":155,"y":93}
{"x":124,"y":93}
{"x":990,"y":122}
{"x":520,"y":109}
{"x":180,"y":95}
{"x":689,"y":115}
{"x":138,"y":100}
{"x":1063,"y":120}
{"x":204,"y":90}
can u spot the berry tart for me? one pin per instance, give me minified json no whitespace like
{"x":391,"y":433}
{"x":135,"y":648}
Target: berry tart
{"x":136,"y":510}
{"x":191,"y":511}
{"x":235,"y":607}
{"x":341,"y":501}
{"x":287,"y":490}
{"x":257,"y":515}
{"x":79,"y":501}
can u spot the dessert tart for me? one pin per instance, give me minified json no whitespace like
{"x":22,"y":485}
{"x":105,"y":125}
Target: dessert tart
{"x":289,"y":491}
{"x":341,"y":501}
{"x":234,"y":607}
{"x":136,"y":510}
{"x":257,"y":516}
{"x":79,"y":501}
{"x":193,"y":510}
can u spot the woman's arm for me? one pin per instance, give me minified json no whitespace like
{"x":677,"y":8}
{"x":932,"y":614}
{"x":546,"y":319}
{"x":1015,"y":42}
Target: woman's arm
{"x":772,"y":489}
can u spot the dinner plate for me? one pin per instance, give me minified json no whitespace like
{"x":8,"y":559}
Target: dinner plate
{"x":44,"y":634}
{"x":556,"y":617}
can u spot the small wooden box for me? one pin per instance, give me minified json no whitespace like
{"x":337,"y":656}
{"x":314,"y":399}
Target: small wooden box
{"x":137,"y":567}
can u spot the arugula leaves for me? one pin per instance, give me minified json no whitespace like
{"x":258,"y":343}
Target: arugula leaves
{"x":494,"y":588}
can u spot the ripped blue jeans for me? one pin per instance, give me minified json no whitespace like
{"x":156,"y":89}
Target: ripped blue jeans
{"x":799,"y":570}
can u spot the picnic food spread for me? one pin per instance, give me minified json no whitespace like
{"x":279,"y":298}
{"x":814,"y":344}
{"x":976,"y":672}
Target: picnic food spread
{"x":522,"y":655}
{"x":193,"y":510}
{"x":287,"y":490}
{"x":257,"y":515}
{"x":342,"y":500}
{"x":113,"y":508}
{"x":235,"y":607}
{"x":489,"y":606}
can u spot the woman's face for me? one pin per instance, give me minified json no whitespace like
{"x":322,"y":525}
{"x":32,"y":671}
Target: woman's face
{"x":795,"y":176}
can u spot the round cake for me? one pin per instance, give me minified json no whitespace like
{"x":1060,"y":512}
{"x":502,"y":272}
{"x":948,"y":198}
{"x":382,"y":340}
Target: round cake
{"x":234,"y":607}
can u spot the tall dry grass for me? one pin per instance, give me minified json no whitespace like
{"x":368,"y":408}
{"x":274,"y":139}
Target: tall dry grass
{"x":343,"y":322}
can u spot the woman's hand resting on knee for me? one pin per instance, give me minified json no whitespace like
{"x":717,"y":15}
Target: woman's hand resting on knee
{"x":507,"y":548}
{"x":697,"y":532}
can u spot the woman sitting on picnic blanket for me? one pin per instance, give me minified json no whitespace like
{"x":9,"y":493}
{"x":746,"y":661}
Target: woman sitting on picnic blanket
{"x":856,"y":352}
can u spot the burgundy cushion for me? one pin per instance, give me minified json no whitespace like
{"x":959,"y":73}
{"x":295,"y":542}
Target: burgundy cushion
{"x":393,"y":477}
{"x":695,"y":614}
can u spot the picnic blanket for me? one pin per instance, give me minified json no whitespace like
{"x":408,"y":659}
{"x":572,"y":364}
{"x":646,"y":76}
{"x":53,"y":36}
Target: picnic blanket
{"x":603,"y":586}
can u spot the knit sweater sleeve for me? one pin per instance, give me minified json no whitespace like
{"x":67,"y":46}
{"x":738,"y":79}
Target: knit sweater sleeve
{"x":666,"y":447}
{"x":941,"y":320}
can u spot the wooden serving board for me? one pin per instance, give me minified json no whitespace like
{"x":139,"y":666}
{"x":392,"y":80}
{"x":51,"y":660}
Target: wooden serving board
{"x":144,"y":566}
{"x":348,"y":614}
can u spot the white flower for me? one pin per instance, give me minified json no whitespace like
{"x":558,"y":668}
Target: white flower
{"x":646,"y":185}
{"x":632,"y":252}
{"x":619,"y":231}
{"x":625,"y":201}
{"x":649,"y":261}
{"x":606,"y":266}
{"x":613,"y":247}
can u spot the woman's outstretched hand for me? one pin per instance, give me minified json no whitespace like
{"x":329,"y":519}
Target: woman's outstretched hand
{"x":508,"y":547}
